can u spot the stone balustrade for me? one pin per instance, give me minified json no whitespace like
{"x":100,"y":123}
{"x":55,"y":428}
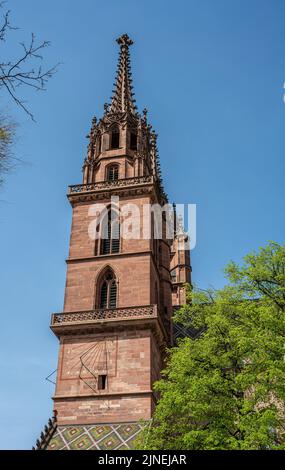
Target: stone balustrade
{"x":99,"y":315}
{"x":106,"y":185}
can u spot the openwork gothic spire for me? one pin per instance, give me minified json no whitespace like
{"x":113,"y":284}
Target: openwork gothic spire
{"x":122,"y":130}
{"x":122,"y":99}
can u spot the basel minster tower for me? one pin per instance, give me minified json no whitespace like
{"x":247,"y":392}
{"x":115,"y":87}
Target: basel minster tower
{"x":120,"y":291}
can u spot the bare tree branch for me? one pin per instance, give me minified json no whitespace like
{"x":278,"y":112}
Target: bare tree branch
{"x":23,"y":71}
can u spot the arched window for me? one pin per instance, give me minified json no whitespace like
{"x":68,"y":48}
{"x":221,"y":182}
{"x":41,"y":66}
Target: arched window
{"x":115,"y":138}
{"x":133,"y":142}
{"x":110,"y":235}
{"x":108,"y":290}
{"x":112,"y":172}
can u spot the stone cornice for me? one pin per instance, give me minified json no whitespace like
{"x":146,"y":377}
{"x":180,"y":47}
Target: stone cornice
{"x":97,"y":320}
{"x":103,"y":396}
{"x":128,"y":187}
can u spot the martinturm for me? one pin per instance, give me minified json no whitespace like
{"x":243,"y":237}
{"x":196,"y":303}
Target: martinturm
{"x":120,"y":292}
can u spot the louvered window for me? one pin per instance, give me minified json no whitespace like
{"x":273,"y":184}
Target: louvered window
{"x":113,"y":295}
{"x":110,"y":234}
{"x":108,"y":291}
{"x":112,"y":173}
{"x":104,"y":295}
{"x":115,"y":236}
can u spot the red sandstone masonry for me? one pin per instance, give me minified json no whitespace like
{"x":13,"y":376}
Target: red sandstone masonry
{"x":129,"y":352}
{"x":137,"y":362}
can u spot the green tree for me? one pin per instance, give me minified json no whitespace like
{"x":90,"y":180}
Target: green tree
{"x":226,"y":389}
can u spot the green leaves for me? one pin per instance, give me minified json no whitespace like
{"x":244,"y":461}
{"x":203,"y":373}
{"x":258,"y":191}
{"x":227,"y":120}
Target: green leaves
{"x":226,"y":389}
{"x":262,"y":275}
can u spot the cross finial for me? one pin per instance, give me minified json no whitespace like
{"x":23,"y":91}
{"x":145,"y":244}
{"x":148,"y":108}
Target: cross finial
{"x":125,"y":40}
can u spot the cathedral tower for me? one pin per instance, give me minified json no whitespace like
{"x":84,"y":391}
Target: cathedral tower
{"x":116,"y":321}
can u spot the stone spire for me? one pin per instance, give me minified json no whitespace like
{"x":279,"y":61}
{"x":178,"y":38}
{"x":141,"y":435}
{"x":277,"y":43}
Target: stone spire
{"x":122,"y":100}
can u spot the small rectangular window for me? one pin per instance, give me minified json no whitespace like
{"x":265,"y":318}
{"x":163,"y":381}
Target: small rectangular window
{"x":102,"y":382}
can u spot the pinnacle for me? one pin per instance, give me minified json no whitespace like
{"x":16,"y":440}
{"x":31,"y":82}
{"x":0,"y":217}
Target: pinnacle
{"x":122,"y":98}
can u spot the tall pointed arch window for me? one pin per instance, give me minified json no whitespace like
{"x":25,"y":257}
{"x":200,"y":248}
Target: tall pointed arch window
{"x":112,"y":172}
{"x":115,"y":138}
{"x":108,"y":290}
{"x":98,"y":144}
{"x":110,"y":235}
{"x":133,"y":141}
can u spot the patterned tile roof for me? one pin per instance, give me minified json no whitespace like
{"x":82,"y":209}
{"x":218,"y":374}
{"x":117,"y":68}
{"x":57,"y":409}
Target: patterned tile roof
{"x":119,"y":436}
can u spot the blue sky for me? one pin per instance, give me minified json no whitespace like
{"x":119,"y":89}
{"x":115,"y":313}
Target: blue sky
{"x":211,"y":73}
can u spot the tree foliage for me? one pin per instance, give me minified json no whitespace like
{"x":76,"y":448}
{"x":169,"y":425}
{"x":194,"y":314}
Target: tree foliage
{"x":7,"y":130}
{"x":226,"y":389}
